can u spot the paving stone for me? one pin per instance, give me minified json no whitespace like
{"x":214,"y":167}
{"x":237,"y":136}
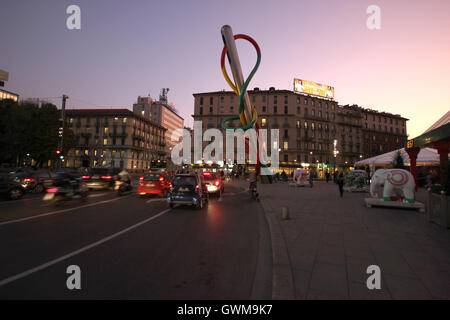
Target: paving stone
{"x":329,"y":279}
{"x":359,"y":291}
{"x":402,"y":288}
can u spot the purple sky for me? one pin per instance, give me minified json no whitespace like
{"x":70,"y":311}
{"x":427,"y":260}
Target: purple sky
{"x":130,"y":48}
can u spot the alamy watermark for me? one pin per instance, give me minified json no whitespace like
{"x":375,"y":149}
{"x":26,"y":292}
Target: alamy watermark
{"x":214,"y":151}
{"x":73,"y":21}
{"x":374,"y":19}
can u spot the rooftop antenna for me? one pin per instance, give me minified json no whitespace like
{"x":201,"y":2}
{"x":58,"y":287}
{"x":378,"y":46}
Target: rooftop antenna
{"x":163,"y":95}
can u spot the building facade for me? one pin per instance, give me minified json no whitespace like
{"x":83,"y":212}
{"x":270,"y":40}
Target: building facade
{"x":117,"y":138}
{"x":308,"y":126}
{"x":161,"y":113}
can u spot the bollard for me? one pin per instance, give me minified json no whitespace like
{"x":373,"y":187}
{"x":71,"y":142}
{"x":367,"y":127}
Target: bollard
{"x":285,"y":213}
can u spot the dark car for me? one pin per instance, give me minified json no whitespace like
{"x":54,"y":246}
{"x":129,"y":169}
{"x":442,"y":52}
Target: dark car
{"x":214,"y":183}
{"x":11,"y":189}
{"x":34,"y":180}
{"x":188,"y":189}
{"x":100,"y":178}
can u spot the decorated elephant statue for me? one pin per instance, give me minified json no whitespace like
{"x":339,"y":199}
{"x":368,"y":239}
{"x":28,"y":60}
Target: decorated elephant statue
{"x":393,"y":181}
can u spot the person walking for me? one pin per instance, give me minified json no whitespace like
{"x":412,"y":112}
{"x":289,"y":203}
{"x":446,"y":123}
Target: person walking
{"x":327,"y":176}
{"x":340,"y":183}
{"x":311,"y":178}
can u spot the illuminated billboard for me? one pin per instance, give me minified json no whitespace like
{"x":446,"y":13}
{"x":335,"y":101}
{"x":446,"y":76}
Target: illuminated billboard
{"x":313,"y":88}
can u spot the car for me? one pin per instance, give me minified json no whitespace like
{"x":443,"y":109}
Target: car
{"x":157,"y":182}
{"x":100,"y":178}
{"x":12,"y":189}
{"x":188,"y":189}
{"x":33,"y":181}
{"x":214,"y":183}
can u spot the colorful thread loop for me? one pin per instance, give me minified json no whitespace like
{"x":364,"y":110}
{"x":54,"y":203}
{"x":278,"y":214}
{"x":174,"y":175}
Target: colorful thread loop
{"x":241,"y":91}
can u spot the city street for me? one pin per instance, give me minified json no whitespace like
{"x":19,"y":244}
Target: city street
{"x":133,"y":248}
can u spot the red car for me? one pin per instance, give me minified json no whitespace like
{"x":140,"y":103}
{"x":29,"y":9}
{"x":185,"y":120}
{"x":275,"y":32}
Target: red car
{"x":154,"y":183}
{"x":214,"y":183}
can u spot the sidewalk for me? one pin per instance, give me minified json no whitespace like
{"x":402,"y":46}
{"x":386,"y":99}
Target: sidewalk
{"x":324,"y":249}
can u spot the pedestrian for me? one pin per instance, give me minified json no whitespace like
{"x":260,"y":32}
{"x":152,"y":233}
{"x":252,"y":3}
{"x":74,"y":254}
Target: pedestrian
{"x":311,"y":178}
{"x":327,"y":176}
{"x":340,"y":183}
{"x":284,"y":176}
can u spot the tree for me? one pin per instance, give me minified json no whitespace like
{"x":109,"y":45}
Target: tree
{"x":397,"y":161}
{"x":26,"y":129}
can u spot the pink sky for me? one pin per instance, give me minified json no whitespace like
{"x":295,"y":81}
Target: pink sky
{"x":131,"y":48}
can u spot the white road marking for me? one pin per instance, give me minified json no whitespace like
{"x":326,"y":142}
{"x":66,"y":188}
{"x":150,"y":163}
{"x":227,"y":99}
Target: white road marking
{"x":74,"y":253}
{"x":151,"y":200}
{"x":59,"y":211}
{"x":97,"y":195}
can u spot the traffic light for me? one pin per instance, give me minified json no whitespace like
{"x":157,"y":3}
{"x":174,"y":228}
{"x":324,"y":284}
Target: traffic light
{"x":58,"y":151}
{"x":61,"y":157}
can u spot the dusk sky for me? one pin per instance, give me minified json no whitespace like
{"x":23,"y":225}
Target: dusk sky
{"x":130,"y":48}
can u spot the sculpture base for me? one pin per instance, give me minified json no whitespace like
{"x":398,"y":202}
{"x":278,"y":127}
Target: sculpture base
{"x":373,"y":202}
{"x":355,"y":189}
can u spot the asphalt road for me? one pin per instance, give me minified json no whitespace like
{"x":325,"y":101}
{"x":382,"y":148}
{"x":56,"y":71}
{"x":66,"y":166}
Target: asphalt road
{"x":133,"y":248}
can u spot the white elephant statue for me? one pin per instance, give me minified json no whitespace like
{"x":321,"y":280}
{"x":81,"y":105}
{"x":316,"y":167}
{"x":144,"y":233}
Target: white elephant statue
{"x":393,"y":180}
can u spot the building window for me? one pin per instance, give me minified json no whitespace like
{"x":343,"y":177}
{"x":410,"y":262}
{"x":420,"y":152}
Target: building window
{"x":264,"y":98}
{"x":222,"y":99}
{"x":105,"y":141}
{"x":124,"y":120}
{"x":286,"y":133}
{"x":298,"y":124}
{"x":298,"y":109}
{"x":231,"y":109}
{"x":211,"y":100}
{"x":264,"y":109}
{"x":275,"y":109}
{"x":285,"y":145}
{"x":263,"y":122}
{"x":286,"y":109}
{"x":275,"y":99}
{"x":285,"y":100}
{"x":286,"y":158}
{"x":105,"y":130}
{"x":298,"y":100}
{"x":210,"y":109}
{"x":253,"y":98}
{"x":201,"y":100}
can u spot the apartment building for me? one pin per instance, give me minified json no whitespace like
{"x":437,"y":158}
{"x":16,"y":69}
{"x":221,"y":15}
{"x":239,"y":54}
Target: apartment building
{"x":308,"y":126}
{"x":116,"y":138}
{"x":161,"y":113}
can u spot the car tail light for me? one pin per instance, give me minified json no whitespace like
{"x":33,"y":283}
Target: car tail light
{"x":86,"y":177}
{"x":28,"y":180}
{"x":52,"y":190}
{"x":206,"y":173}
{"x":161,"y":178}
{"x":141,"y":178}
{"x":106,"y":177}
{"x":196,"y":187}
{"x":217,"y":183}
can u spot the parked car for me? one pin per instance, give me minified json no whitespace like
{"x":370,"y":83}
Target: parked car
{"x":33,"y":181}
{"x":100,"y":178}
{"x":10,"y":188}
{"x":214,"y":183}
{"x":154,"y":183}
{"x":188,"y":189}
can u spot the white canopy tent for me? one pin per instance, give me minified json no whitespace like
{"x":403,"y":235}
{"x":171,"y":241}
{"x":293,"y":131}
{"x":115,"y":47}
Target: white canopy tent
{"x":426,"y":157}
